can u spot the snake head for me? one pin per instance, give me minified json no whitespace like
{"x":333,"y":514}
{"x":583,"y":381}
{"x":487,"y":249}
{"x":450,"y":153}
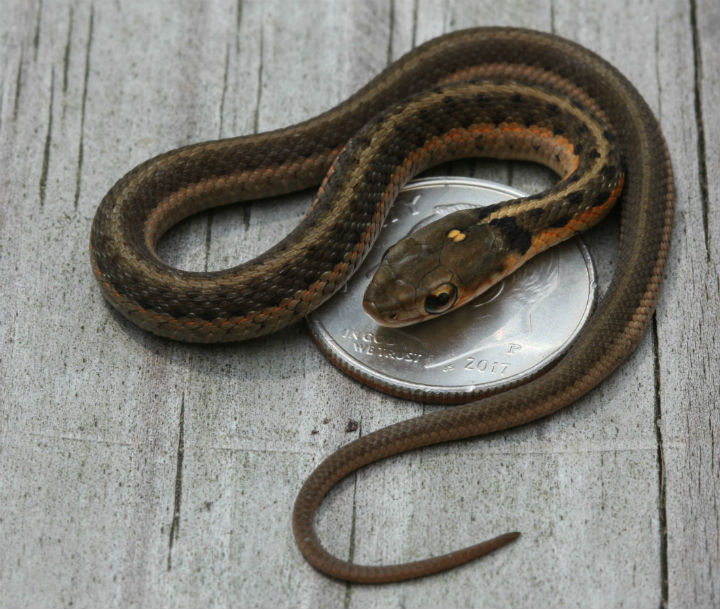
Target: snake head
{"x":436,"y":269}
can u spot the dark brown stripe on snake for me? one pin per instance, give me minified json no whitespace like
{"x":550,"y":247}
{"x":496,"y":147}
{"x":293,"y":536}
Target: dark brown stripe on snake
{"x":282,"y":285}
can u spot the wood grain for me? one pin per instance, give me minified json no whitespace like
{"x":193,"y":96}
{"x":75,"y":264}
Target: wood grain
{"x":138,"y":472}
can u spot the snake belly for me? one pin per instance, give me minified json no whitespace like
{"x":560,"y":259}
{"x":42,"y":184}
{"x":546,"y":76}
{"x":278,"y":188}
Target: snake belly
{"x":362,"y":152}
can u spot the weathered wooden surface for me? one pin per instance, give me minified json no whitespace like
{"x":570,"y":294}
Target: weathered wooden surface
{"x":139,"y":472}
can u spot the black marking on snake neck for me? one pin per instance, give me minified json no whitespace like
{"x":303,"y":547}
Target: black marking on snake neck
{"x":484,"y":212}
{"x":560,"y":222}
{"x":517,"y":238}
{"x":574,"y":198}
{"x":601,"y":198}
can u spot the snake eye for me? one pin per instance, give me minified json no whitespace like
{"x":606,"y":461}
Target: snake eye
{"x":441,"y":299}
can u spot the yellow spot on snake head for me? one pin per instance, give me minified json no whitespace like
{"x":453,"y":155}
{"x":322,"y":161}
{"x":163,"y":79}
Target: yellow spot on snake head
{"x":456,"y":235}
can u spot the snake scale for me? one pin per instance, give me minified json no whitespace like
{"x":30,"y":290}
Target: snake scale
{"x":502,"y":92}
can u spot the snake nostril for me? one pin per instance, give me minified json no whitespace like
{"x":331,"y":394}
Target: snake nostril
{"x":370,"y":308}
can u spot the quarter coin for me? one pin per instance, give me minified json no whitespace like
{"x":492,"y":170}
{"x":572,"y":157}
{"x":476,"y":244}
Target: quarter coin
{"x":503,"y":338}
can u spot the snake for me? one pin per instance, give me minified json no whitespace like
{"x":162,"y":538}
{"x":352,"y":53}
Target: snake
{"x":498,"y":92}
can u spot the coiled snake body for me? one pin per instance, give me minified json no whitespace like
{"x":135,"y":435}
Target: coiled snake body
{"x":502,"y":92}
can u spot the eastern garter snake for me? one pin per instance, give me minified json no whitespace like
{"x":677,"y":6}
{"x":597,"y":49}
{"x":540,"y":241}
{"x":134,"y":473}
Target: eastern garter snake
{"x":537,"y":100}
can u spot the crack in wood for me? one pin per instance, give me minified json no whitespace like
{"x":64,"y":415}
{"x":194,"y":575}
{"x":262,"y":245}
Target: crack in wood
{"x":223,"y":95}
{"x":391,"y":30}
{"x":658,"y":77}
{"x":662,"y":499}
{"x":699,"y":119}
{"x":175,"y":525}
{"x":36,"y":36}
{"x":66,"y":56}
{"x":258,"y":97}
{"x":238,"y":27}
{"x":81,"y":144}
{"x":221,"y":128}
{"x":238,"y":24}
{"x":18,"y":86}
{"x":414,"y":24}
{"x":48,"y":139}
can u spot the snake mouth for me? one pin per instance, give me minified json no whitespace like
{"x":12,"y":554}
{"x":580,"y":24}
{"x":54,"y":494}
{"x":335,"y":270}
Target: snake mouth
{"x":391,"y":318}
{"x":384,"y":318}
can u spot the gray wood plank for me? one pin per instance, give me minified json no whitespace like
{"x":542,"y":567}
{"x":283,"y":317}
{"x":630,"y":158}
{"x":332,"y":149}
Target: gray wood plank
{"x":689,"y":375}
{"x":135,"y":471}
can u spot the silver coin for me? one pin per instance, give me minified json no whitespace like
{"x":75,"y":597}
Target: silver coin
{"x":503,"y":338}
